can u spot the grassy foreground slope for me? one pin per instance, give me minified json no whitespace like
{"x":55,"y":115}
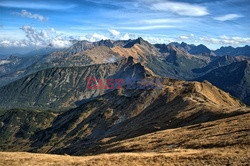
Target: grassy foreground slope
{"x":179,"y":157}
{"x":221,"y":142}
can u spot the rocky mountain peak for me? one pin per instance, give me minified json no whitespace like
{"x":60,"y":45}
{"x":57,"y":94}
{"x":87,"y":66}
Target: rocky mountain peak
{"x":139,"y":41}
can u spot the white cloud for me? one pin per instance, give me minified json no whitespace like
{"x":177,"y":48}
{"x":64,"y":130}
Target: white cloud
{"x":25,"y":13}
{"x":225,"y":40}
{"x":52,"y":30}
{"x":36,"y":38}
{"x":184,"y":9}
{"x":97,"y":37}
{"x":116,"y":35}
{"x":228,"y":17}
{"x":10,"y":43}
{"x":210,"y":40}
{"x":114,"y":32}
{"x":125,"y":37}
{"x":158,"y":39}
{"x":184,"y":37}
{"x":5,"y":43}
{"x":59,"y":42}
{"x":159,"y":21}
{"x":94,"y":37}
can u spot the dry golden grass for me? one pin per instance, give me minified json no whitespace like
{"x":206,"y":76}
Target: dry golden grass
{"x":221,"y":142}
{"x":227,"y":133}
{"x":177,"y":157}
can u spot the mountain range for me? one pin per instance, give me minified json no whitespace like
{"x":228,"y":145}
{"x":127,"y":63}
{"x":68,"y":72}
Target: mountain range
{"x":197,"y":99}
{"x":115,"y":116}
{"x":178,"y":61}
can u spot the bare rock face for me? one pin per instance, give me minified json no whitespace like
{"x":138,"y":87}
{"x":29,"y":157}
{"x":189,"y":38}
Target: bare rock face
{"x":232,"y":78}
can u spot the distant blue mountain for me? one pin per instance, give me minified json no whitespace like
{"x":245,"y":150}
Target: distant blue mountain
{"x":244,"y":51}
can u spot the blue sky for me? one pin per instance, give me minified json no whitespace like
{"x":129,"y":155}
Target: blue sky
{"x":38,"y":23}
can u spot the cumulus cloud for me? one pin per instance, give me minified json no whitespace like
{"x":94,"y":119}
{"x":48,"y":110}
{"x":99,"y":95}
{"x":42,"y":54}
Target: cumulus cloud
{"x":35,"y":37}
{"x":45,"y":37}
{"x":184,"y":9}
{"x":60,"y":42}
{"x":38,"y":38}
{"x":113,"y":35}
{"x":7,"y":43}
{"x":92,"y":37}
{"x":184,"y":37}
{"x":228,"y":17}
{"x":116,"y":35}
{"x":125,"y":37}
{"x":96,"y":37}
{"x":114,"y":32}
{"x":225,"y":40}
{"x":50,"y":37}
{"x":25,"y":13}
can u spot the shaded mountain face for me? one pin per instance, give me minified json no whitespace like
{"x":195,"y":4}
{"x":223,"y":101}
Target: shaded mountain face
{"x":14,"y":63}
{"x":139,"y":41}
{"x":219,"y":62}
{"x":66,"y":86}
{"x":200,"y":49}
{"x":19,"y":125}
{"x":127,"y":113}
{"x":193,"y":49}
{"x":239,"y":51}
{"x":184,"y":62}
{"x":233,"y":78}
{"x":203,"y":50}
